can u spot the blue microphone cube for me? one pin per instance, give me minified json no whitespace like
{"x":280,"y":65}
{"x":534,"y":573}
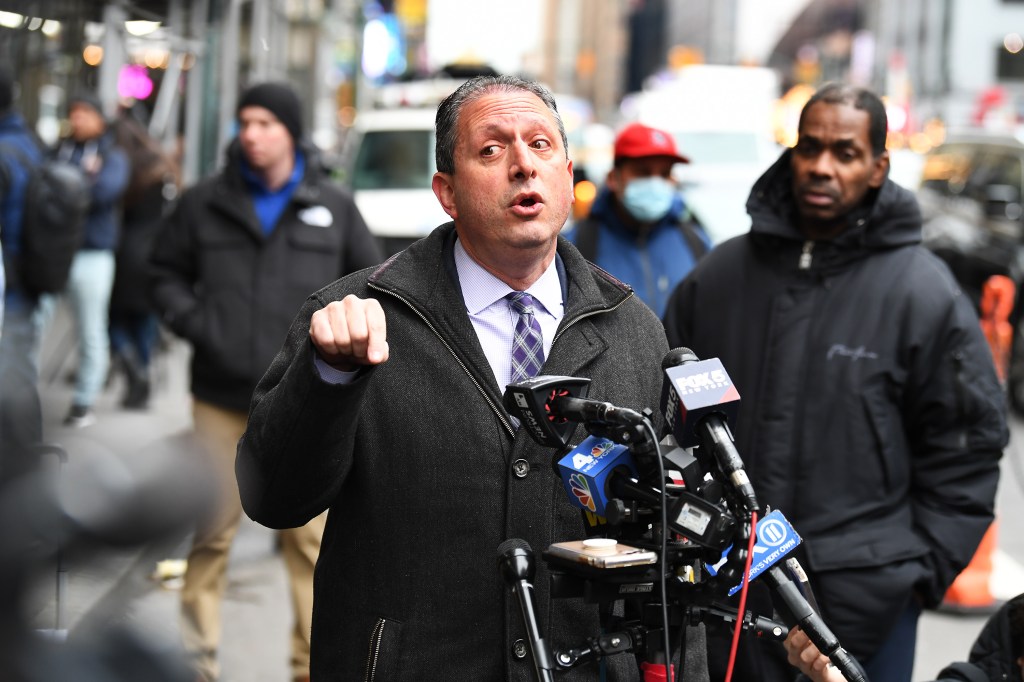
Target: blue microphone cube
{"x":585,"y":471}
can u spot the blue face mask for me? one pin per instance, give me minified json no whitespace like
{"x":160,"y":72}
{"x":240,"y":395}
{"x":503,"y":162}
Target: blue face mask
{"x":649,"y":199}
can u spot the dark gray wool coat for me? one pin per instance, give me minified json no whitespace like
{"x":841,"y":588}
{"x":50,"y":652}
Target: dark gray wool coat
{"x":415,"y":462}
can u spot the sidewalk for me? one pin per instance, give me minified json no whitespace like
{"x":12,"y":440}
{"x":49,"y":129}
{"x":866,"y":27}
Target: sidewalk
{"x":111,"y":587}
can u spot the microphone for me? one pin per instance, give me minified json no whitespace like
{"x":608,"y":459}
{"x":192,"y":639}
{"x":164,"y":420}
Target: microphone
{"x":597,"y":470}
{"x":529,"y":401}
{"x":549,"y":407}
{"x":515,"y":559}
{"x":698,"y":399}
{"x":775,"y":539}
{"x":798,"y":612}
{"x":669,"y":400}
{"x":592,"y":411}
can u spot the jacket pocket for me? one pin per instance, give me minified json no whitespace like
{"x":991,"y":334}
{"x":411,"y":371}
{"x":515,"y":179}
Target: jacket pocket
{"x":315,"y":257}
{"x":382,"y":656}
{"x":314,"y":237}
{"x":886,"y":442}
{"x":868,"y":546}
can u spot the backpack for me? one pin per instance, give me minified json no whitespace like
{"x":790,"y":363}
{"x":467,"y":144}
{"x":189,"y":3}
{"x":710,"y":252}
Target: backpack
{"x":56,"y":202}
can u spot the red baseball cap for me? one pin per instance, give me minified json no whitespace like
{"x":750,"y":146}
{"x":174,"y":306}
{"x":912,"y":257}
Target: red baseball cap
{"x":637,"y":140}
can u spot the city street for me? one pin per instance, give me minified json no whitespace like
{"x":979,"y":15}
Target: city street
{"x":112,"y":587}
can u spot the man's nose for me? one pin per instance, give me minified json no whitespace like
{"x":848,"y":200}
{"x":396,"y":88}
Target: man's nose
{"x":521,"y":161}
{"x":823,"y":165}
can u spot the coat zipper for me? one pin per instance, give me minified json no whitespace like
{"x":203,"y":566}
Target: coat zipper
{"x":505,"y":422}
{"x":817,"y":289}
{"x":371,"y":659}
{"x":805,"y":255}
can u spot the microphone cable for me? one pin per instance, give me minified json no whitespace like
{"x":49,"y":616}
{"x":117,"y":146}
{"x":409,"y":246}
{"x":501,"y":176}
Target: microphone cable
{"x":743,"y":597}
{"x":666,"y":640}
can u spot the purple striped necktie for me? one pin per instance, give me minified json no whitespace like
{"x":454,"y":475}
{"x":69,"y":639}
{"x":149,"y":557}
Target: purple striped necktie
{"x":527,"y":341}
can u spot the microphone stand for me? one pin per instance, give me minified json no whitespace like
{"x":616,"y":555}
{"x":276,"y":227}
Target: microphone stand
{"x":516,"y":560}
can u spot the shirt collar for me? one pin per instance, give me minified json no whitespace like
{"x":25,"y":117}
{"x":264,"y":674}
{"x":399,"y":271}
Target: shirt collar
{"x":481,"y":289}
{"x":254,"y":180}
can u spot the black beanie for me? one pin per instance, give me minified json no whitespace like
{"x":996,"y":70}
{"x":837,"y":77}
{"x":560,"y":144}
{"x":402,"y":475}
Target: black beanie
{"x":6,"y":88}
{"x":280,"y":100}
{"x":86,"y":98}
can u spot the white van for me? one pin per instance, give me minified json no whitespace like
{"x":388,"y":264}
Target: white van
{"x":388,"y":158}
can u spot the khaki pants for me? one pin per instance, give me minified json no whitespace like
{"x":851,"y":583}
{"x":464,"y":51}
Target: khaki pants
{"x":218,"y":431}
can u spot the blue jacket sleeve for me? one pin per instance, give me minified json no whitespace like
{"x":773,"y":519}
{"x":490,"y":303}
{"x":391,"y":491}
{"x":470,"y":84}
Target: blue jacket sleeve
{"x":112,"y":179}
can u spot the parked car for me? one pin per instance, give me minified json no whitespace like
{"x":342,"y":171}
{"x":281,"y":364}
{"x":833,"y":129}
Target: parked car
{"x":971,"y":193}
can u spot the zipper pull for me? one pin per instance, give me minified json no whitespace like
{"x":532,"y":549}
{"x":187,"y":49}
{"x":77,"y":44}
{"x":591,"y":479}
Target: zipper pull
{"x":805,"y":257}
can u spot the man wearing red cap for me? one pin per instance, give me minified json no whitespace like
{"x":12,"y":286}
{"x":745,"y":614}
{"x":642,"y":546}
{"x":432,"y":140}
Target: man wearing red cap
{"x":638,"y":229}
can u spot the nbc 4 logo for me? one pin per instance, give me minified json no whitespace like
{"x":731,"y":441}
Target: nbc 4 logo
{"x":581,"y":489}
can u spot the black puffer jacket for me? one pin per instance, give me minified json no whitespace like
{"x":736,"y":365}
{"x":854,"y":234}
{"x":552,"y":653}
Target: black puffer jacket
{"x":871,"y":415}
{"x":232,"y":291}
{"x":993,"y":657}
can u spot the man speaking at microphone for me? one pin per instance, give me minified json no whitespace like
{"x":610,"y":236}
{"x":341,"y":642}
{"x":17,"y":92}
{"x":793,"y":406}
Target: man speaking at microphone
{"x":385,"y":407}
{"x":871,"y":413}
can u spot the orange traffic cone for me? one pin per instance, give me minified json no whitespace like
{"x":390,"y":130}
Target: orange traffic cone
{"x":971,"y":592}
{"x":997,"y":297}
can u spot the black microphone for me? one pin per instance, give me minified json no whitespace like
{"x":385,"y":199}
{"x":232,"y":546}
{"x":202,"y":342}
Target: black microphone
{"x":515,"y":559}
{"x":798,"y":612}
{"x":593,"y":411}
{"x":674,"y":358}
{"x":549,"y":407}
{"x":698,"y":399}
{"x":529,"y":400}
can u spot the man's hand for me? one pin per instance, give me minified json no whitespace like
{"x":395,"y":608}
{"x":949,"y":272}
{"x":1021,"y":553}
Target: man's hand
{"x":803,"y":655}
{"x":350,"y":333}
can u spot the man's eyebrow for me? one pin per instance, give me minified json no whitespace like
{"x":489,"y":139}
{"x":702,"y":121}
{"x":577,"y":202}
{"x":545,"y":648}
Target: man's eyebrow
{"x":843,"y":142}
{"x":525,"y":122}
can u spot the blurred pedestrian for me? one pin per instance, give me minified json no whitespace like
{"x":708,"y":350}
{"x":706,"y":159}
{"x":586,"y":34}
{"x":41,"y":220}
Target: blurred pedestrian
{"x":639,"y":228}
{"x":20,"y":411}
{"x":235,"y":259}
{"x":134,"y":324}
{"x":875,"y":419}
{"x":91,"y":146}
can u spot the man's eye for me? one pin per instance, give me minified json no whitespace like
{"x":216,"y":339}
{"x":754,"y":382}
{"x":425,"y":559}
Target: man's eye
{"x":541,"y":144}
{"x":489,"y":150}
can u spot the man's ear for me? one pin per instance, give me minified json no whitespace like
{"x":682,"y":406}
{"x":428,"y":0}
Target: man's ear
{"x":613,"y":180}
{"x":445,"y":193}
{"x":881,"y":170}
{"x":572,"y":185}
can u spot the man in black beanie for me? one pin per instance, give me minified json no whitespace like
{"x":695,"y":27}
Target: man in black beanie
{"x":238,"y":255}
{"x":280,"y":100}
